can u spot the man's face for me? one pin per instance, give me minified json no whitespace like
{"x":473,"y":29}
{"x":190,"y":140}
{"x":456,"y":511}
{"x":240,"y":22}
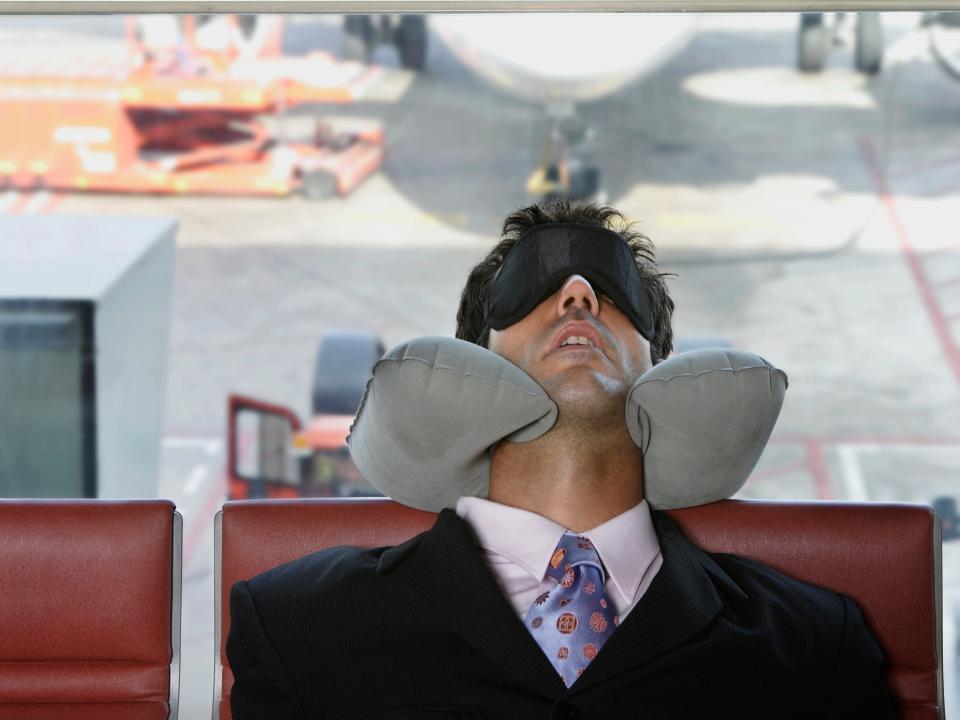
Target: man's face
{"x":582,"y":374}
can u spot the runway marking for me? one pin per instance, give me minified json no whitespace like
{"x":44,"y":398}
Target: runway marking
{"x":44,"y":202}
{"x":211,"y":446}
{"x":215,"y":496}
{"x":852,"y":473}
{"x":849,"y":450}
{"x":196,"y":478}
{"x":19,"y":204}
{"x":203,"y":517}
{"x":819,"y":469}
{"x":7,"y":200}
{"x":36,"y":202}
{"x":779,"y":470}
{"x":940,"y":323}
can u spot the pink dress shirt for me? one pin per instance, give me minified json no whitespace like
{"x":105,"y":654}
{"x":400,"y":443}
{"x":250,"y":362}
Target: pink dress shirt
{"x":517,"y":545}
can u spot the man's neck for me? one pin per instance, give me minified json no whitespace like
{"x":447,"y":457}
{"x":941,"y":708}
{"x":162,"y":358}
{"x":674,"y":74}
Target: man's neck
{"x":576,"y":478}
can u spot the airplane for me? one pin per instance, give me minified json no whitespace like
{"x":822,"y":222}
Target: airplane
{"x":556,"y":60}
{"x":560,"y":61}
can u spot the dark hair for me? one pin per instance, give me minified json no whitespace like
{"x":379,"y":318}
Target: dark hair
{"x":471,"y":325}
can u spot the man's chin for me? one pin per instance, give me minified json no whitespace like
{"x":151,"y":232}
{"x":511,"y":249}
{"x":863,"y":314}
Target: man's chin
{"x":584,"y":388}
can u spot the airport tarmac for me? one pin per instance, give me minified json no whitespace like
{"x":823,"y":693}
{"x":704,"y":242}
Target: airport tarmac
{"x":810,"y":219}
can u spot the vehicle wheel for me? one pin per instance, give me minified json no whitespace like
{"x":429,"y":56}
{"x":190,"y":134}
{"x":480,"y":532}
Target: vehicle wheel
{"x":318,"y":185}
{"x":358,"y":38}
{"x":411,"y":41}
{"x":811,"y":43}
{"x":868,"y":50}
{"x":344,"y":364}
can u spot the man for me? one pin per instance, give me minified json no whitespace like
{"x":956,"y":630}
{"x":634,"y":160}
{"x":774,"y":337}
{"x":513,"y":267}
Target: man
{"x":561,"y":594}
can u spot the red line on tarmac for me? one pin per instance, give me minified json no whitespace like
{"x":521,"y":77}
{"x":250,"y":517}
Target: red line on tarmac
{"x":214,"y":497}
{"x":819,"y":470}
{"x":779,"y":470}
{"x":865,"y":440}
{"x":910,"y":256}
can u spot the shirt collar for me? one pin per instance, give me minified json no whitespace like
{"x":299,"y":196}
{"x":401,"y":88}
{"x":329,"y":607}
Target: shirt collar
{"x":627,"y":544}
{"x":521,"y":536}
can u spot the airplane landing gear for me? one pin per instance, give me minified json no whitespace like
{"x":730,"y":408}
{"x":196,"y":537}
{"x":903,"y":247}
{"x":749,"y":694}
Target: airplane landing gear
{"x":868,"y":43}
{"x":816,"y":36}
{"x":408,"y":33}
{"x":944,"y":33}
{"x":812,"y":43}
{"x":567,"y":169}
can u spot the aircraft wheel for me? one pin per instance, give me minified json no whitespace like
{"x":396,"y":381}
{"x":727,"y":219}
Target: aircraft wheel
{"x":358,"y":38}
{"x":344,"y":364}
{"x":411,"y":41}
{"x":868,"y":51}
{"x":318,"y":185}
{"x":811,"y":43}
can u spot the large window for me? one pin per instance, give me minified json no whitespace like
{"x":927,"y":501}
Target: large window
{"x":334,"y":178}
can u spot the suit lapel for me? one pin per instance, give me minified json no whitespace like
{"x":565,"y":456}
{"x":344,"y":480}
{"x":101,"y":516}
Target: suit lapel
{"x":446,"y":571}
{"x":680,"y":602}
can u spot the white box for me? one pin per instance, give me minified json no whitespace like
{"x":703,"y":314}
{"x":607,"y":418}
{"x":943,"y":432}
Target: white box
{"x":84,"y":325}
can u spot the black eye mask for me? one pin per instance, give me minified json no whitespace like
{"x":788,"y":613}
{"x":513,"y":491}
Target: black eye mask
{"x":547,"y":255}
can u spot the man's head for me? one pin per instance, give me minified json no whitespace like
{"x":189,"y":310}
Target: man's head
{"x":471,"y":315}
{"x":576,"y":306}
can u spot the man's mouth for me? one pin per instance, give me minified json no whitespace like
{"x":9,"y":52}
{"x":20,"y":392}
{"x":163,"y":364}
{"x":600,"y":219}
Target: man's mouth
{"x":577,"y":340}
{"x":577,"y":336}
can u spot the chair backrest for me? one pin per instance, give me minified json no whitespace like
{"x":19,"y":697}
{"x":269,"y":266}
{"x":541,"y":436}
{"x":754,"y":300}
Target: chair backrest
{"x":885,"y":556}
{"x":89,"y":609}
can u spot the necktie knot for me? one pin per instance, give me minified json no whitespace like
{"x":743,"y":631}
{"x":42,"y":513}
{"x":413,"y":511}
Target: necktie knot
{"x":573,"y":550}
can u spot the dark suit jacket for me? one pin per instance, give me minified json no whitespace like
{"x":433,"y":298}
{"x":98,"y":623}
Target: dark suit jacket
{"x":422,"y":630}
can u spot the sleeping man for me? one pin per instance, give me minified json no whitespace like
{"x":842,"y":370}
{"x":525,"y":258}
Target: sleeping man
{"x":550,"y":588}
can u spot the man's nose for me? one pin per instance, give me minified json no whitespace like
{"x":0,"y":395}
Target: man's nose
{"x":576,"y":291}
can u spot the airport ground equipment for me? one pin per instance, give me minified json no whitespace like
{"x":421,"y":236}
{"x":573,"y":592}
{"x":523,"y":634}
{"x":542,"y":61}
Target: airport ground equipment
{"x":272,"y":454}
{"x":84,"y":318}
{"x":182,"y":119}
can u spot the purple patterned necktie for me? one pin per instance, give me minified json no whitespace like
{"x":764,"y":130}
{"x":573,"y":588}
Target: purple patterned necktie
{"x":572,"y":621}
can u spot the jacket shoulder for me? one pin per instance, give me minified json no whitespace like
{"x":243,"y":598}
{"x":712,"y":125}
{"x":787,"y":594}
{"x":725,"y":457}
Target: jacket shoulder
{"x":762,"y":579}
{"x":744,"y":582}
{"x":335,"y":564}
{"x":332,"y":571}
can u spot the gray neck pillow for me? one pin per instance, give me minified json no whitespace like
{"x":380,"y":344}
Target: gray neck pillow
{"x":435,"y":406}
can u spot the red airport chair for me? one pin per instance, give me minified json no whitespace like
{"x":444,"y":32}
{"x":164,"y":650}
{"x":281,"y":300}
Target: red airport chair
{"x":89,"y":609}
{"x":884,"y":556}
